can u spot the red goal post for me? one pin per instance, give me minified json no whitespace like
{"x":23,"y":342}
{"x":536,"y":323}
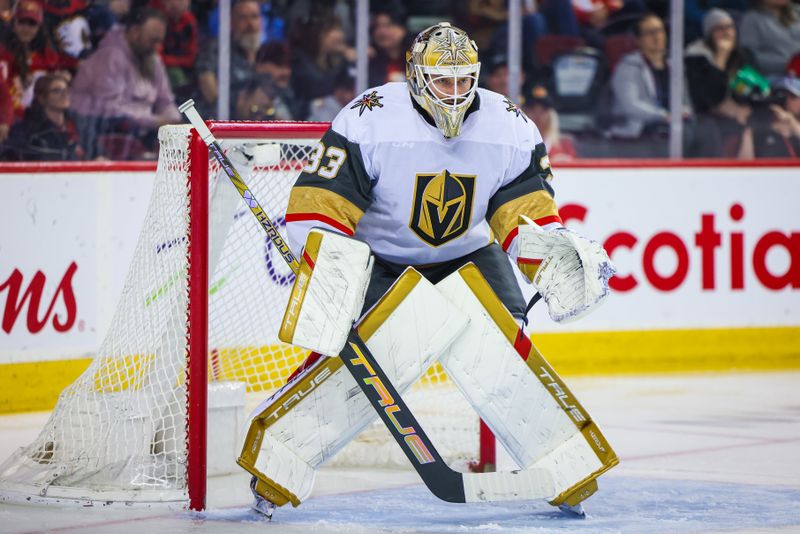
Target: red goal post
{"x":197,"y":371}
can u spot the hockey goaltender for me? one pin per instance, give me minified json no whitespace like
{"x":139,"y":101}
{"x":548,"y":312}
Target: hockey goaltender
{"x":405,"y":213}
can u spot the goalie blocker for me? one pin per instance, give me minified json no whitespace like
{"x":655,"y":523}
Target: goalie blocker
{"x":328,"y":292}
{"x":494,"y":365}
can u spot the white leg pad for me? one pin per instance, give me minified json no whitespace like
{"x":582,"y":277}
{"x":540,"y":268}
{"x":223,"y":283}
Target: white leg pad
{"x":318,"y":413}
{"x":526,"y":405}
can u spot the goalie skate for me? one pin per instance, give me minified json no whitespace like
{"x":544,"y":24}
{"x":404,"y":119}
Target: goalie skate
{"x":576,"y":511}
{"x":260,"y":504}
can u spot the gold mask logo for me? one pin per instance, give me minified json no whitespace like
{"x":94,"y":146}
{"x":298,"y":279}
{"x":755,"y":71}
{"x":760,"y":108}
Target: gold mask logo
{"x":442,"y":206}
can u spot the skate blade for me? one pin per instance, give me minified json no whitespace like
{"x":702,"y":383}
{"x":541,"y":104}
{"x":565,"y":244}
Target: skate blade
{"x":576,"y":511}
{"x":263,"y":507}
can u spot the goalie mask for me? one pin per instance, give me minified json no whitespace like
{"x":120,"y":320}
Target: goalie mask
{"x":442,"y":69}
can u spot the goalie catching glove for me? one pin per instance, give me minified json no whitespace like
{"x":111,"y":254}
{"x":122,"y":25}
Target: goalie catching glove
{"x":573,"y":271}
{"x":328,"y":292}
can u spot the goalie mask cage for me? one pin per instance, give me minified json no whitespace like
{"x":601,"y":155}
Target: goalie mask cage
{"x":200,"y":311}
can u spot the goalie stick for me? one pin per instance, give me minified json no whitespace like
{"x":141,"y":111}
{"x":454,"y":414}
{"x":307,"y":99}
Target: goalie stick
{"x":441,"y":480}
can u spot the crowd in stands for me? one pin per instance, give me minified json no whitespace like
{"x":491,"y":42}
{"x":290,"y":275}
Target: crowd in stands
{"x":95,"y":79}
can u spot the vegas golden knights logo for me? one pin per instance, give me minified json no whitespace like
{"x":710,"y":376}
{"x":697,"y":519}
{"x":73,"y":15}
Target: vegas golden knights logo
{"x":442,"y":206}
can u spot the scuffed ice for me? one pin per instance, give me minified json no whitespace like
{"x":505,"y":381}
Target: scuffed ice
{"x":622,"y":505}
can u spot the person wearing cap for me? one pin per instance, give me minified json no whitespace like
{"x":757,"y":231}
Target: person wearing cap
{"x":537,"y":104}
{"x":776,"y":127}
{"x":26,"y":54}
{"x":771,"y":31}
{"x":711,"y":63}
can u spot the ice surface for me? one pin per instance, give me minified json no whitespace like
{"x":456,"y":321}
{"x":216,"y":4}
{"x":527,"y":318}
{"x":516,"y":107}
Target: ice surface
{"x":699,"y":453}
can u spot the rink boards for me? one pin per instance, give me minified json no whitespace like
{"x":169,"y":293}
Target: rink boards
{"x":708,"y":259}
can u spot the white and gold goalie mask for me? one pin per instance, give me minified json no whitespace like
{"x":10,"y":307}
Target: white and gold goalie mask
{"x":442,"y":69}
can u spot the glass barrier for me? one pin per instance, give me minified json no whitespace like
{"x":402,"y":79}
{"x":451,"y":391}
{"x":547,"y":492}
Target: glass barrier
{"x":95,"y":81}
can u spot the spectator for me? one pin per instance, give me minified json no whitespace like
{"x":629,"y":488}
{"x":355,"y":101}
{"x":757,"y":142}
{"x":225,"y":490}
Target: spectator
{"x":538,"y":19}
{"x":389,"y":42}
{"x":776,"y":128}
{"x":319,"y":57}
{"x":246,"y":36}
{"x":537,"y":104}
{"x":273,"y":60}
{"x":272,"y":25}
{"x":102,"y":16}
{"x":256,"y":101}
{"x":794,"y":66}
{"x":496,"y":76}
{"x":6,"y":112}
{"x":711,"y":63}
{"x":303,"y":15}
{"x":771,"y":32}
{"x":47,"y":133}
{"x":6,"y":12}
{"x":484,"y":17}
{"x":26,"y":54}
{"x":67,"y":22}
{"x":344,"y":91}
{"x":180,"y":45}
{"x":123,"y":87}
{"x":640,"y":83}
{"x":598,"y":18}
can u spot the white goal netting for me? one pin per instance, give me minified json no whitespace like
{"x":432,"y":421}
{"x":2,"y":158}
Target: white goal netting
{"x":119,"y":433}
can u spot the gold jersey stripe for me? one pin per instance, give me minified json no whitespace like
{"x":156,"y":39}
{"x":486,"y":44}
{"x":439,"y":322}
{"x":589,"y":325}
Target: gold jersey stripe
{"x":535,"y":205}
{"x":323,"y":202}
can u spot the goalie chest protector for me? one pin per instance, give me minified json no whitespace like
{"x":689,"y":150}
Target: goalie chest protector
{"x":388,"y":176}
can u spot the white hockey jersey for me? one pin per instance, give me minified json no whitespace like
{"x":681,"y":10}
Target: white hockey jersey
{"x":386,"y":175}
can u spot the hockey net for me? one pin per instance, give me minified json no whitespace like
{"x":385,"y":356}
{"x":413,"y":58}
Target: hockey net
{"x":132,"y":427}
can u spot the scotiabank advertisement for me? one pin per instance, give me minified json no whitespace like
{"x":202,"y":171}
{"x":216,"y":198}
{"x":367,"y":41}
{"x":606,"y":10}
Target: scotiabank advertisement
{"x":695,"y":248}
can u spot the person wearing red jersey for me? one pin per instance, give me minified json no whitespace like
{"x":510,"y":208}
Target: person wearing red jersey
{"x":26,"y":54}
{"x":180,"y":44}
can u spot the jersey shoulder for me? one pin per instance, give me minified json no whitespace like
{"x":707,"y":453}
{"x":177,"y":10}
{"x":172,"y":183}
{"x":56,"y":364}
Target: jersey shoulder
{"x":502,"y":121}
{"x":376,"y":108}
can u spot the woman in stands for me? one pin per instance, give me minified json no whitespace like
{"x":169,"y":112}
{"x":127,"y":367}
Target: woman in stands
{"x":26,"y":53}
{"x":320,"y":55}
{"x":711,"y":63}
{"x":47,"y":132}
{"x":771,"y":32}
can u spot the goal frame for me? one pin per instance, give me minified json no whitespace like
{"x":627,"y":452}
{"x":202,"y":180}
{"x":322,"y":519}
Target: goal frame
{"x":197,"y":313}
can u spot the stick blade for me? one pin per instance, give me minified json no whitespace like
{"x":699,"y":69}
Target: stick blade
{"x":522,"y":485}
